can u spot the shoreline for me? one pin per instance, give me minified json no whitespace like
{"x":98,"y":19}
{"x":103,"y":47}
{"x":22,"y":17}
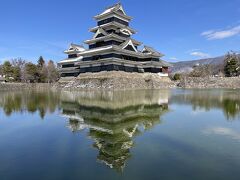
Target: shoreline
{"x":24,"y":86}
{"x":42,"y":86}
{"x":128,"y":81}
{"x":210,"y":83}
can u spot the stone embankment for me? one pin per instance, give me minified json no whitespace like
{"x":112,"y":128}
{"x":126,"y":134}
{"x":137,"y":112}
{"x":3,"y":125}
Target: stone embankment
{"x":210,"y":82}
{"x":127,"y":81}
{"x":23,"y":86}
{"x":116,"y":81}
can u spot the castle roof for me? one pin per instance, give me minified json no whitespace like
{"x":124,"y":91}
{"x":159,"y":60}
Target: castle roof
{"x":152,"y":51}
{"x":71,"y":60}
{"x":128,"y":43}
{"x":112,"y":36}
{"x":113,"y":24}
{"x":74,"y":48}
{"x":120,"y":49}
{"x":115,"y":9}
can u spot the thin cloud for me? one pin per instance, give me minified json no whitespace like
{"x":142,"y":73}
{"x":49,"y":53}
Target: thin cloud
{"x":222,"y":34}
{"x":206,"y":33}
{"x":173,"y":58}
{"x":192,"y":50}
{"x":200,"y":54}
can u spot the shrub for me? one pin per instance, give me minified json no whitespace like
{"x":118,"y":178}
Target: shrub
{"x":176,"y":77}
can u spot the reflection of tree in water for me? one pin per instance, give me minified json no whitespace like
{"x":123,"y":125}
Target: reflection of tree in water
{"x":227,"y":100}
{"x":31,"y":101}
{"x":113,"y":129}
{"x":231,"y":108}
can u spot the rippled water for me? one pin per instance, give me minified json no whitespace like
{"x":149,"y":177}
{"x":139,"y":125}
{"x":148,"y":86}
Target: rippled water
{"x":175,"y":134}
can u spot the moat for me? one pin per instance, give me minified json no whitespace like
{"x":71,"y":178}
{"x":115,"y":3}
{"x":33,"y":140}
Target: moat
{"x":141,"y":134}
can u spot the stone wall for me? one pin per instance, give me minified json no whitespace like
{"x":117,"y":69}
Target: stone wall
{"x":210,"y":82}
{"x":22,"y":86}
{"x":117,"y":80}
{"x":126,"y":81}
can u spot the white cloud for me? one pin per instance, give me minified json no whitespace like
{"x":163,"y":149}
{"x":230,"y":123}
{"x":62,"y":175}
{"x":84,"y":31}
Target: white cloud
{"x":200,"y":54}
{"x":206,"y":33}
{"x":221,"y":34}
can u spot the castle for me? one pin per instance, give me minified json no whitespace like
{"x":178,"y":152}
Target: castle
{"x":112,"y":48}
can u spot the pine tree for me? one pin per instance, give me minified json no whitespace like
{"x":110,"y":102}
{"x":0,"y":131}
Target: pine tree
{"x":41,"y":66}
{"x":7,"y":70}
{"x":16,"y":74}
{"x":41,"y":62}
{"x":231,"y":65}
{"x":31,"y":72}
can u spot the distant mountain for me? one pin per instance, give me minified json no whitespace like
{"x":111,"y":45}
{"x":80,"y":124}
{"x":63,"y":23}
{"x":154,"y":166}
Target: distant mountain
{"x":187,"y":66}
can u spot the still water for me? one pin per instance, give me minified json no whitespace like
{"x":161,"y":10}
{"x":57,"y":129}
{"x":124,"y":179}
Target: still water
{"x":162,"y":134}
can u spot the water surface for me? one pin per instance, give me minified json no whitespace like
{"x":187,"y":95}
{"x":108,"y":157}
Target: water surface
{"x":160,"y":134}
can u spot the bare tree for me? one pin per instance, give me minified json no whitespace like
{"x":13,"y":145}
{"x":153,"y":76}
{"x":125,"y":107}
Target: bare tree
{"x":202,"y":71}
{"x":52,"y":75}
{"x":20,"y":64}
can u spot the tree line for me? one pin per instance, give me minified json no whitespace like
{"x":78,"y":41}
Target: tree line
{"x":19,"y":70}
{"x":230,"y":68}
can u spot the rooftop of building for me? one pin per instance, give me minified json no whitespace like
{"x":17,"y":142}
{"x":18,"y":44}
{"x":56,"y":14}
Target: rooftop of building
{"x":117,"y":9}
{"x":74,"y":48}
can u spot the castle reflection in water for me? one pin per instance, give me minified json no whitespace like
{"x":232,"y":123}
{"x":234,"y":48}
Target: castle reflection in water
{"x":113,"y":119}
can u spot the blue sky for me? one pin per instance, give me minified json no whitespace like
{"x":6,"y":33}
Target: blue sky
{"x":180,"y":29}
